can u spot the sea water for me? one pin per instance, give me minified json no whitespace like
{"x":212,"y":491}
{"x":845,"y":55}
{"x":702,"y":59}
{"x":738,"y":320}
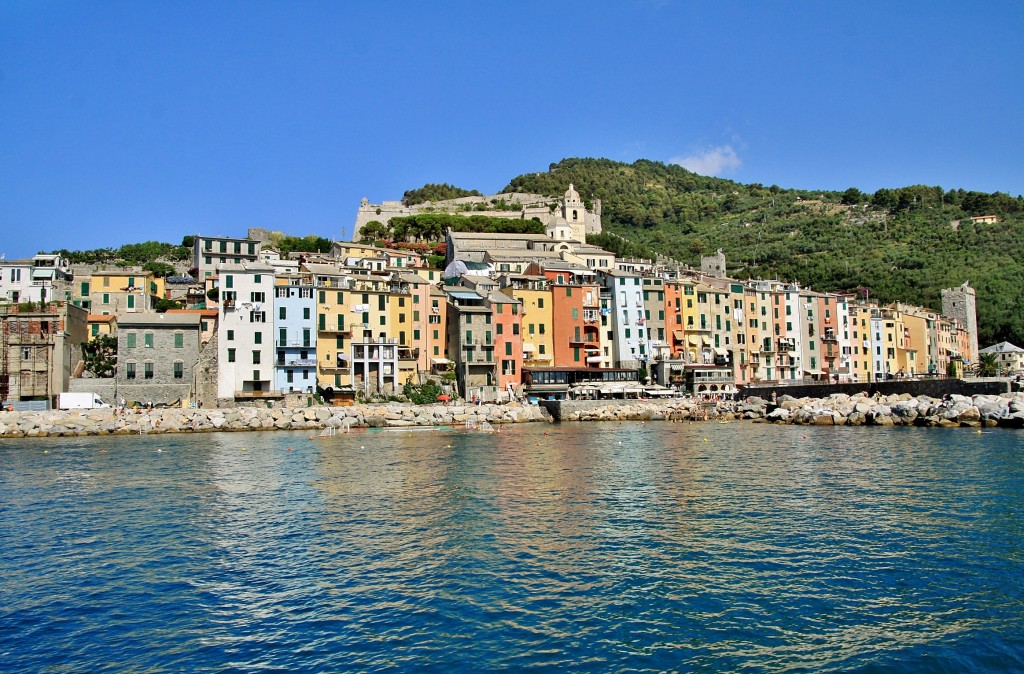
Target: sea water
{"x":569,"y":547}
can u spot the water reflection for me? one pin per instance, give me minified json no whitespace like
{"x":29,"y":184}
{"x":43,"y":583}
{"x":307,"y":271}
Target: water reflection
{"x":572,"y":546}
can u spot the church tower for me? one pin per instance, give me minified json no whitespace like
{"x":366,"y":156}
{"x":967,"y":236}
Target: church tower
{"x":574,"y":213}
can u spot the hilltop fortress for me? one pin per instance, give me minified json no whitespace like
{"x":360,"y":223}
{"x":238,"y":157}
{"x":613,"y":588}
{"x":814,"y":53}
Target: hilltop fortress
{"x":569,"y":212}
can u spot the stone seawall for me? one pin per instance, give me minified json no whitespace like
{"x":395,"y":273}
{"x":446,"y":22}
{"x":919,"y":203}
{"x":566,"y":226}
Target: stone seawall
{"x":1005,"y":410}
{"x":839,"y":409}
{"x":108,"y":421}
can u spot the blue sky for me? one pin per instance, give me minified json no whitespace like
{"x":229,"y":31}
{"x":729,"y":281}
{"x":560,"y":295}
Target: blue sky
{"x":123,"y":122}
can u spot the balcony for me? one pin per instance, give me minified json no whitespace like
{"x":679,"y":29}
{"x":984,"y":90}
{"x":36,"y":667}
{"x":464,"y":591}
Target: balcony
{"x":829,"y":336}
{"x":295,"y":362}
{"x":408,"y":353}
{"x":301,"y":344}
{"x":229,"y":303}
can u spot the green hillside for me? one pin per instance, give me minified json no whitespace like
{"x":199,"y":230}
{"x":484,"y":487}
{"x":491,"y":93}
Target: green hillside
{"x":901,"y":244}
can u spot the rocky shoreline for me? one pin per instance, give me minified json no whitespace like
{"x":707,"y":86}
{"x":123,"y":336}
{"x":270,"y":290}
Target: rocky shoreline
{"x":130,"y":422}
{"x":1005,"y":410}
{"x":838,"y":409}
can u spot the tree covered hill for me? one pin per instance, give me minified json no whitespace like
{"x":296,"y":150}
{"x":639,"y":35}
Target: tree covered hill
{"x":901,"y":244}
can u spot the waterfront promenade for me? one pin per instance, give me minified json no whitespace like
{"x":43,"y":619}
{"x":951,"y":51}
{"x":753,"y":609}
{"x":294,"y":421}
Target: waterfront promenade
{"x":1005,"y":410}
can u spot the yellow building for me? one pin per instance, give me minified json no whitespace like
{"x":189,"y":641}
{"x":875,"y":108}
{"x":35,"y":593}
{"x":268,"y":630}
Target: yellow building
{"x":102,"y":324}
{"x":534,"y":293}
{"x":117,"y":292}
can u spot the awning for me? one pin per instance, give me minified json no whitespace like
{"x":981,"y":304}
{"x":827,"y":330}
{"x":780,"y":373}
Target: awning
{"x":465,"y":296}
{"x":439,"y":361}
{"x":43,"y":273}
{"x":705,"y":340}
{"x":813,"y":372}
{"x":528,"y":346}
{"x":678,"y":335}
{"x":692,"y":340}
{"x":721,"y":352}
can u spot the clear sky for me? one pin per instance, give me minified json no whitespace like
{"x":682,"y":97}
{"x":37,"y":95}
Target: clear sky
{"x":123,"y":122}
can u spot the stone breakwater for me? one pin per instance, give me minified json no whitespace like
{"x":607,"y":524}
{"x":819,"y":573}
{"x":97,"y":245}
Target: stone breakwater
{"x":1006,"y":409}
{"x":114,"y":422}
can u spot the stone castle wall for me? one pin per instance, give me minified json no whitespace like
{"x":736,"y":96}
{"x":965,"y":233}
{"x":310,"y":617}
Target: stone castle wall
{"x":537,"y":206}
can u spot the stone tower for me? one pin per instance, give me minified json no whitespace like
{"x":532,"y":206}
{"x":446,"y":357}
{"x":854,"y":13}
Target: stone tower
{"x":713,"y":265}
{"x":959,"y":303}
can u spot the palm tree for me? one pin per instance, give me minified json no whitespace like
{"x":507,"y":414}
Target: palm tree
{"x":988,"y":365}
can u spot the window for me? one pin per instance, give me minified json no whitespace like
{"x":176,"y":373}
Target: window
{"x":257,"y":338}
{"x":130,"y":371}
{"x":148,"y":371}
{"x":282,"y":314}
{"x":229,"y":281}
{"x":257,"y":297}
{"x":129,"y":340}
{"x":231,"y":355}
{"x":148,"y":337}
{"x":305,"y":313}
{"x":231,"y":335}
{"x":179,"y":340}
{"x":179,"y":369}
{"x":255,"y":357}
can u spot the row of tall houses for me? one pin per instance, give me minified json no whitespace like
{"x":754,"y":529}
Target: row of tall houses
{"x":545,"y":318}
{"x":344,"y":328}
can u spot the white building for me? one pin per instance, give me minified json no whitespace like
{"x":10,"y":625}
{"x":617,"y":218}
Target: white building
{"x":1009,"y":357}
{"x":16,"y":282}
{"x":245,"y":331}
{"x":33,"y":280}
{"x":628,"y":315}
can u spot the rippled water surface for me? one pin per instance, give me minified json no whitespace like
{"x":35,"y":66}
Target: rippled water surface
{"x":572,"y":547}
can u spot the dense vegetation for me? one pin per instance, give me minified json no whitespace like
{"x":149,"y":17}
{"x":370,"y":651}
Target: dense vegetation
{"x":301,"y":244}
{"x":436,"y":192}
{"x":430,"y":227}
{"x":901,"y":244}
{"x":132,"y":253}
